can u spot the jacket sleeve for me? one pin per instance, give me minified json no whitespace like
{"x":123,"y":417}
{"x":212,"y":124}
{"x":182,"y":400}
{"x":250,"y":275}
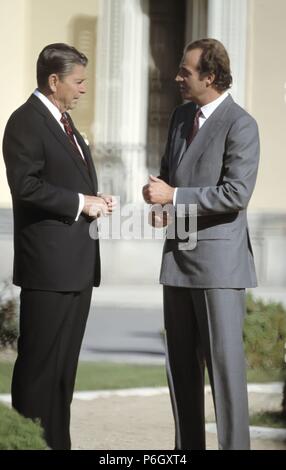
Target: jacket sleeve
{"x":24,"y":157}
{"x":238,"y":174}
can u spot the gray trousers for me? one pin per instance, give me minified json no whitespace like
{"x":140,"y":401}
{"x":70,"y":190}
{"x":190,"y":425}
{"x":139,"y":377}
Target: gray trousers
{"x":205,"y":326}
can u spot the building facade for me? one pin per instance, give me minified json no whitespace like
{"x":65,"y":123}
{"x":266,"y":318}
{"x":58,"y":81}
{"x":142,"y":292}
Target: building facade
{"x":134,"y":48}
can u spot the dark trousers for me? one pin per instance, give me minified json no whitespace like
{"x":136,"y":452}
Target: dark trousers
{"x":204,"y":326}
{"x":52,"y":326}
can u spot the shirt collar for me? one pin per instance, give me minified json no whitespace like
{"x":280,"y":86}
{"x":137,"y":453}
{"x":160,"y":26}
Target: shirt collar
{"x":51,"y":107}
{"x":209,"y":108}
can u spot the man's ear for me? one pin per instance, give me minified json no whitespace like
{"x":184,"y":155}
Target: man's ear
{"x":53,"y":81}
{"x":210,"y":79}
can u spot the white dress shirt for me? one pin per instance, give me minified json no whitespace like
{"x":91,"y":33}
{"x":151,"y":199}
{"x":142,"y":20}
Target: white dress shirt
{"x":57,"y":115}
{"x":206,"y":112}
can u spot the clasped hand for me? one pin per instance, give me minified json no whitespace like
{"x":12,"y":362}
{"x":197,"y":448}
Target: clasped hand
{"x":96,"y":206}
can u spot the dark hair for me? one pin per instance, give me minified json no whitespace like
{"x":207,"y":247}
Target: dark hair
{"x":214,"y":59}
{"x":57,"y":58}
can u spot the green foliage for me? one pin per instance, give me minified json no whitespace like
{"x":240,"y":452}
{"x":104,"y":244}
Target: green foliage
{"x":271,"y":419}
{"x":265,"y":334}
{"x":8,"y":318}
{"x":18,"y":433}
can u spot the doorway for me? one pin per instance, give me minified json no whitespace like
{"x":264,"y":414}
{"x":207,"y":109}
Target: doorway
{"x":167,"y":40}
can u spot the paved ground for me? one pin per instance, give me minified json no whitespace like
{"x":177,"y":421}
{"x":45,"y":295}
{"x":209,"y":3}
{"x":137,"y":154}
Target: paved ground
{"x":146,"y":423}
{"x":124,"y":334}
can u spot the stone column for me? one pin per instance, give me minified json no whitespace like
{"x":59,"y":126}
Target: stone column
{"x":196,"y":20}
{"x":120,"y":129}
{"x":227,"y":22}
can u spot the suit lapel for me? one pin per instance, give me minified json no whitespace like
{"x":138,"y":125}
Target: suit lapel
{"x":207,"y":133}
{"x":56,"y":130}
{"x":87,"y":156}
{"x":64,"y":140}
{"x":182,"y":131}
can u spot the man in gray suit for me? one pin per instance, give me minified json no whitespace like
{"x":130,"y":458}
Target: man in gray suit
{"x":211,"y":161}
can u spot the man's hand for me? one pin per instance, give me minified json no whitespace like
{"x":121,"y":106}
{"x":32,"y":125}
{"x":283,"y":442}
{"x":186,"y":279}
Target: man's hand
{"x":109,"y":200}
{"x":157,"y":192}
{"x":159,"y":216}
{"x":95,"y":206}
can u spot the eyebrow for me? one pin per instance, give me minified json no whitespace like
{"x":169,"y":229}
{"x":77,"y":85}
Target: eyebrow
{"x":183,"y":67}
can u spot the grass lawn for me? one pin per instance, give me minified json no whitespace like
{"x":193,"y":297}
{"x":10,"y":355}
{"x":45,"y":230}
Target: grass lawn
{"x":102,"y":376}
{"x":105,"y":375}
{"x":272,"y":419}
{"x":6,"y":368}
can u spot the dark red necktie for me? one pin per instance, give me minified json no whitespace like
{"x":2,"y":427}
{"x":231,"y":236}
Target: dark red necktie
{"x":70,"y":134}
{"x":195,"y":127}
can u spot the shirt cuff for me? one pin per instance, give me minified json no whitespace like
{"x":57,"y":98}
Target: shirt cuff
{"x":80,"y":206}
{"x":175,"y":196}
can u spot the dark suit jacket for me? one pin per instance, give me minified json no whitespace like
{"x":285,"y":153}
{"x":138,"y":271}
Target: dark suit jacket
{"x":217,"y":172}
{"x":45,"y":174}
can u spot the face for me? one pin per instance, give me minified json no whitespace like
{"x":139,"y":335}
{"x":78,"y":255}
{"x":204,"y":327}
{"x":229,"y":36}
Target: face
{"x":67,"y":91}
{"x":192,"y":87}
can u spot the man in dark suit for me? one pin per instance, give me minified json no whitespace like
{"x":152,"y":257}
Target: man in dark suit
{"x":56,"y":263}
{"x":211,"y":162}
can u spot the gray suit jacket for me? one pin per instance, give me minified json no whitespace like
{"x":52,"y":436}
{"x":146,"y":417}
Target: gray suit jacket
{"x":217,"y":172}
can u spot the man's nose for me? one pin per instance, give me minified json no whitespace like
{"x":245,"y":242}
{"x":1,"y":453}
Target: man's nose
{"x":178,"y":78}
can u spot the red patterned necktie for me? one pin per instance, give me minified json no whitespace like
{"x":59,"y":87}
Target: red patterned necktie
{"x":195,"y":127}
{"x":70,"y":134}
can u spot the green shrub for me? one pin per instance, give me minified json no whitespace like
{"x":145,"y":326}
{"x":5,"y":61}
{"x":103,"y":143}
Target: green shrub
{"x":271,"y":419}
{"x":265,"y":334}
{"x":8,"y":318}
{"x":265,"y":339}
{"x":18,"y":433}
